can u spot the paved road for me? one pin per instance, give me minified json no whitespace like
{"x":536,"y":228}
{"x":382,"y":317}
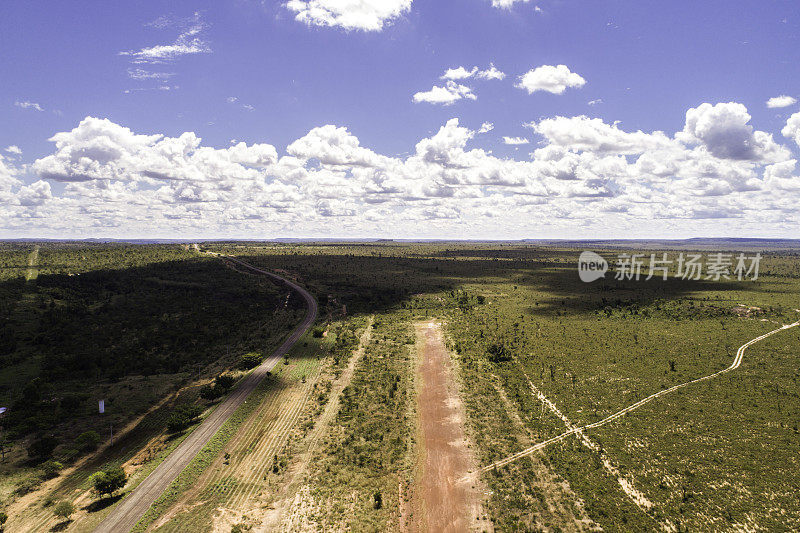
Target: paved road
{"x":133,"y":506}
{"x":622,"y":412}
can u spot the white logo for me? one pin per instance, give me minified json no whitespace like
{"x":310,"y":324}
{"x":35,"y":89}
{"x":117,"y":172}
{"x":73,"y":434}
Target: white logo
{"x":591,"y":266}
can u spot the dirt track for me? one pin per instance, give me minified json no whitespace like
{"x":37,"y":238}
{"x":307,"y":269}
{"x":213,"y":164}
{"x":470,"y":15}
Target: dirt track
{"x":444,"y":500}
{"x":134,"y":505}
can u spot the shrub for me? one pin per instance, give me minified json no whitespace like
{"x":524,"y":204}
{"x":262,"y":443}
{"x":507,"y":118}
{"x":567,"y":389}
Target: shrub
{"x":210,"y":392}
{"x":109,"y":481}
{"x":42,"y":447}
{"x":250,"y":360}
{"x":224,"y":381}
{"x":51,"y":469}
{"x":64,"y":509}
{"x":87,"y":441}
{"x":318,"y":333}
{"x":183,"y":417}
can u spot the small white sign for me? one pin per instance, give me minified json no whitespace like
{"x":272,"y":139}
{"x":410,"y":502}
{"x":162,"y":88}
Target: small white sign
{"x":102,"y":406}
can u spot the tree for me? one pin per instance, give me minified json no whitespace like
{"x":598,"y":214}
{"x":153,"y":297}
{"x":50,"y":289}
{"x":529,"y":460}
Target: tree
{"x":224,"y":381}
{"x":64,"y":509}
{"x":109,"y":481}
{"x":250,"y":360}
{"x":42,"y":447}
{"x":87,"y":441}
{"x":183,"y":417}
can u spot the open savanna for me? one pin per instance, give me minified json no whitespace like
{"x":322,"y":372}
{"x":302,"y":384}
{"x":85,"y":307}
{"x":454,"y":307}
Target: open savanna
{"x":716,"y":455}
{"x":333,"y":441}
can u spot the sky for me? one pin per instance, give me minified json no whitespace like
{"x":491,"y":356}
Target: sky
{"x":464,"y":119}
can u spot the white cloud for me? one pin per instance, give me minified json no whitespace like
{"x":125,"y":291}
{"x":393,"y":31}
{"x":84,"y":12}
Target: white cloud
{"x":492,"y":73}
{"x":188,"y":42}
{"x":515,"y":140}
{"x":34,"y":194}
{"x":548,"y":78}
{"x":582,"y":133}
{"x":328,"y":183}
{"x":486,"y":127}
{"x":13,"y":149}
{"x":141,"y":74}
{"x":364,"y":15}
{"x":28,"y":105}
{"x":447,"y":95}
{"x":781,"y":101}
{"x":462,"y":73}
{"x":792,"y":128}
{"x":724,"y":131}
{"x":507,"y":4}
{"x":459,"y":73}
{"x":595,"y":102}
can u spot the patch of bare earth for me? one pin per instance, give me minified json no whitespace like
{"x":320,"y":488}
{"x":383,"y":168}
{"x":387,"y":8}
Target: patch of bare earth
{"x":445,"y":498}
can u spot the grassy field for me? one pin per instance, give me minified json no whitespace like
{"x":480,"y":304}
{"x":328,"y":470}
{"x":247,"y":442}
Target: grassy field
{"x":333,"y":430}
{"x":716,"y":455}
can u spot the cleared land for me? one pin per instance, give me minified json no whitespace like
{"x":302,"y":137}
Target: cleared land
{"x":446,"y":500}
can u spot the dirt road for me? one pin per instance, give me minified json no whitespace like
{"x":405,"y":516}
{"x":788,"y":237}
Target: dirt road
{"x":135,"y":504}
{"x":445,"y":502}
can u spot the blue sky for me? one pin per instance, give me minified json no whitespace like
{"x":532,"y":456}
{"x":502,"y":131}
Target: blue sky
{"x":269,"y":73}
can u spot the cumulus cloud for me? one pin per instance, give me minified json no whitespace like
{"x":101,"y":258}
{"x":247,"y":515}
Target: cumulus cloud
{"x":451,"y":93}
{"x":491,"y":73}
{"x":461,"y":73}
{"x":13,"y":150}
{"x":582,"y":133}
{"x":792,"y":128}
{"x":115,"y":177}
{"x":28,"y":105}
{"x":98,"y":149}
{"x":363,"y":15}
{"x":553,"y":79}
{"x":781,"y":101}
{"x":486,"y":127}
{"x":515,"y":140}
{"x":724,"y":131}
{"x":190,"y":41}
{"x":507,"y":4}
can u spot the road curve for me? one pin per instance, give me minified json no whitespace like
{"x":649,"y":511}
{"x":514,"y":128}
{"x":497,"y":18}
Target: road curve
{"x":622,"y":412}
{"x":134,"y":505}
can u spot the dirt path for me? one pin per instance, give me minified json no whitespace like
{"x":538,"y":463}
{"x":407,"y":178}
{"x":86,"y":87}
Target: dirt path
{"x":622,"y":412}
{"x":134,"y":505}
{"x":33,"y":264}
{"x":287,"y":514}
{"x":445,"y":501}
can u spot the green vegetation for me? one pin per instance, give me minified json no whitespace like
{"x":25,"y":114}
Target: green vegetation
{"x":133,"y":322}
{"x":109,"y":481}
{"x":64,"y":509}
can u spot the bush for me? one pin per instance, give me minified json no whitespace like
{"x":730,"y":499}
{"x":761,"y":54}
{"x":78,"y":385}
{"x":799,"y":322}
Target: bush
{"x":224,"y":381}
{"x":318,"y":333}
{"x":87,"y":441}
{"x":43,"y":447}
{"x":210,"y":392}
{"x":51,"y":469}
{"x":250,"y":360}
{"x":64,"y":509}
{"x":3,"y":519}
{"x":109,"y":481}
{"x":183,"y":417}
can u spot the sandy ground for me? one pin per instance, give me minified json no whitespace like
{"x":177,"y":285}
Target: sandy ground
{"x":444,"y":500}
